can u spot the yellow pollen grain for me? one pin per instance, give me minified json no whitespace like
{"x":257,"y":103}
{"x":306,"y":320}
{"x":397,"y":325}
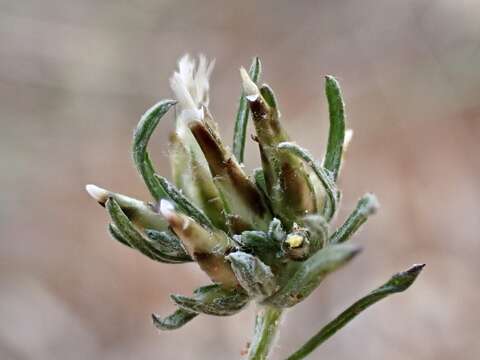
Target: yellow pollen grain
{"x":294,"y":241}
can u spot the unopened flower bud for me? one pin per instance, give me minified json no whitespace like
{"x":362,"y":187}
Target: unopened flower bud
{"x":243,"y":202}
{"x":207,"y":247}
{"x":291,"y":185}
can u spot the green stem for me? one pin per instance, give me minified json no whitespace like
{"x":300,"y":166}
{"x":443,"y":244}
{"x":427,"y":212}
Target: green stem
{"x":266,"y":327}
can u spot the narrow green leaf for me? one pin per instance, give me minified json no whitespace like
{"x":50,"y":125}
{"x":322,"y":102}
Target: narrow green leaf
{"x":310,"y":274}
{"x":134,"y":237}
{"x":366,"y":206}
{"x":332,"y":193}
{"x":397,"y":283}
{"x":269,"y":96}
{"x":336,"y":134}
{"x":117,"y":235}
{"x":141,"y":137}
{"x":241,"y":122}
{"x":205,"y":290}
{"x":167,"y":243}
{"x":213,"y":300}
{"x":174,"y":321}
{"x":252,"y":274}
{"x":184,"y":204}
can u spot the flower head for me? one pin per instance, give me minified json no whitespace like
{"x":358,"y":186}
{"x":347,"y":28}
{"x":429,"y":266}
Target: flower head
{"x":264,"y":237}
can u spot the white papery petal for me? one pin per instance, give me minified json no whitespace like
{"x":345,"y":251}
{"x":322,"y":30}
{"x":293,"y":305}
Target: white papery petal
{"x":190,"y":83}
{"x":181,"y":92}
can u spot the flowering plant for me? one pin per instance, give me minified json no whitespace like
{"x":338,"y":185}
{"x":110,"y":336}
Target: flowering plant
{"x":263,"y":238}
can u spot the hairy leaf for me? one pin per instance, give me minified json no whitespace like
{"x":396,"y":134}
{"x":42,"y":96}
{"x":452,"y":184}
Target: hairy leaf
{"x":134,"y":237}
{"x":213,"y":300}
{"x":397,"y":283}
{"x":253,"y":275}
{"x":310,"y":274}
{"x":174,"y":321}
{"x":141,"y":137}
{"x":336,"y":135}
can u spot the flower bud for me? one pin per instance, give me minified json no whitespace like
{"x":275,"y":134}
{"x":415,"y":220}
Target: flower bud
{"x":207,"y":247}
{"x":244,"y":204}
{"x":191,"y":174}
{"x":291,"y":185}
{"x":297,"y":245}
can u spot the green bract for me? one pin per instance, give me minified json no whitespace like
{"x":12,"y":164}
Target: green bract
{"x":263,"y":238}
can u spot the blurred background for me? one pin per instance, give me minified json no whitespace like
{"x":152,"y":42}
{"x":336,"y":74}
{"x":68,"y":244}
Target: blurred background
{"x":76,"y":76}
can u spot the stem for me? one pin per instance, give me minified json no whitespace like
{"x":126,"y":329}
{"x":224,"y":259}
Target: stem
{"x":267,"y":323}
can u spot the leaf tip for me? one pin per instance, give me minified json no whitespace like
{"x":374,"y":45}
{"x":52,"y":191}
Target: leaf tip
{"x":354,"y":250}
{"x":369,"y":204}
{"x":404,"y":279}
{"x":331,"y":80}
{"x":160,"y":322}
{"x":416,"y":269}
{"x":156,"y":319}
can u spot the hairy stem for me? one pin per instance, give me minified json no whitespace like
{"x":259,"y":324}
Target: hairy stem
{"x":266,"y":328}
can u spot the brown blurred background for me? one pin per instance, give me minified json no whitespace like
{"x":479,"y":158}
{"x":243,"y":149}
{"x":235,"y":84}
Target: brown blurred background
{"x":76,"y":76}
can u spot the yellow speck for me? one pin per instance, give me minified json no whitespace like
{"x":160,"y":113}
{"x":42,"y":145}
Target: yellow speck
{"x":294,"y":241}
